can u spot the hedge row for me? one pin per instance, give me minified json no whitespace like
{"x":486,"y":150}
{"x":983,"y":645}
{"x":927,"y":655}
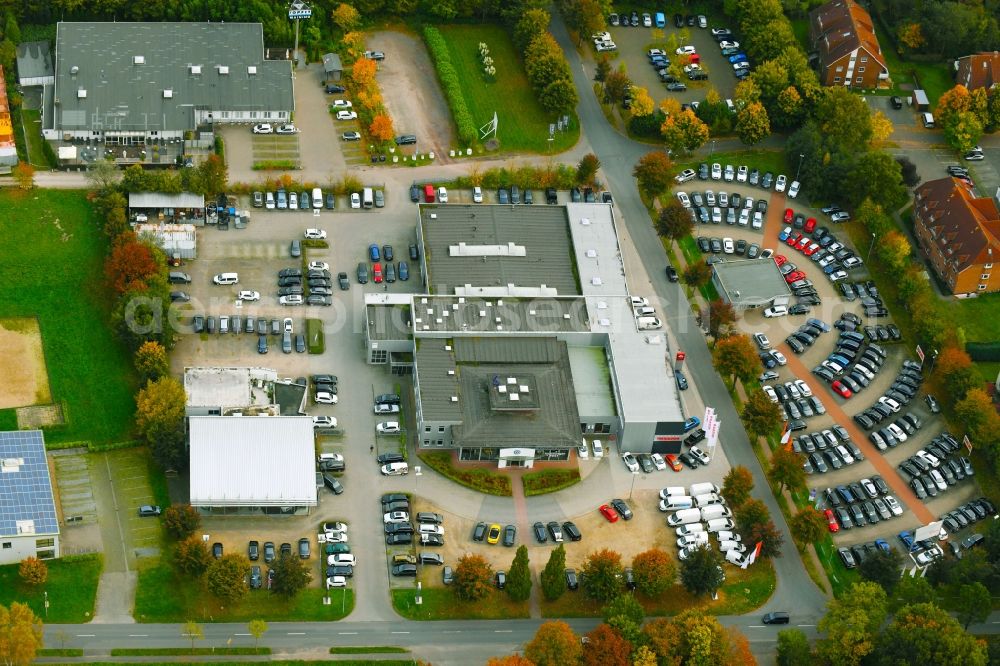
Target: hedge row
{"x":451,"y":84}
{"x":479,"y":479}
{"x":549,"y":481}
{"x":559,"y":176}
{"x":983,"y":351}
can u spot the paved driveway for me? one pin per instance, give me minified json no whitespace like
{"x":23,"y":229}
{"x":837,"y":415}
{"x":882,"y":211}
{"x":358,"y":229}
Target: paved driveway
{"x":320,"y":152}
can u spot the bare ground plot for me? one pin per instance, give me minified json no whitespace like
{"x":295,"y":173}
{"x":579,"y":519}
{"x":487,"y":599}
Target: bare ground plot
{"x":25,"y":379}
{"x":411,"y":91}
{"x":77,"y":505}
{"x":276,"y":147}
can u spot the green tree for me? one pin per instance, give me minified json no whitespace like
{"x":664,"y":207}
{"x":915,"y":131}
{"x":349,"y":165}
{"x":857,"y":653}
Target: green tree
{"x":954,"y":371}
{"x":554,"y":644}
{"x":874,"y":219}
{"x":684,"y":132}
{"x":602,"y":573}
{"x":194,"y":632}
{"x":625,"y":615}
{"x":674,"y":222}
{"x":346,"y":17}
{"x":160,"y":420}
{"x":256,"y":628}
{"x":883,"y":568}
{"x":473,"y":577}
{"x":844,"y":120}
{"x":558,"y":96}
{"x":925,"y":634}
{"x":181,"y":520}
{"x":760,"y":416}
{"x":736,"y":357}
{"x":654,"y":572}
{"x":808,"y":526}
{"x":615,"y":84}
{"x":876,"y":175}
{"x":767,"y":535}
{"x":653,"y":172}
{"x":291,"y":576}
{"x":788,"y":109}
{"x":226,"y":577}
{"x":793,"y":648}
{"x":697,"y":274}
{"x":519,"y":576}
{"x":532,"y":23}
{"x":552,"y":581}
{"x":603,"y":68}
{"x":912,"y":590}
{"x":191,"y":556}
{"x":737,"y":485}
{"x":851,"y":624}
{"x":701,"y":572}
{"x":586,"y":170}
{"x":786,"y":469}
{"x":151,"y":361}
{"x":894,"y":250}
{"x":963,"y":131}
{"x":972,"y":604}
{"x":751,"y":512}
{"x":753,"y":124}
{"x":212,"y":175}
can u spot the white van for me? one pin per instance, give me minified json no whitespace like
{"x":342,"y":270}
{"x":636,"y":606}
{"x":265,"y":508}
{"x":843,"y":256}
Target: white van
{"x":428,"y":528}
{"x":224,"y":324}
{"x":715,"y":511}
{"x":720,"y":525}
{"x":676,"y":503}
{"x":395,"y":469}
{"x":269,"y":201}
{"x":226,"y":278}
{"x":644,"y":311}
{"x":702,"y":488}
{"x":693,"y":528}
{"x":698,"y":539}
{"x":708,"y":499}
{"x":734,"y":557}
{"x":684,"y":517}
{"x":648,"y":323}
{"x":367,"y":198}
{"x":928,"y":119}
{"x":317,"y":198}
{"x":731,"y":545}
{"x":672,"y":491}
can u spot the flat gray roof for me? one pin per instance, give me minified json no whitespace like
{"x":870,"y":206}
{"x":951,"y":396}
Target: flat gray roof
{"x":331,"y":62}
{"x":226,"y":387}
{"x":161,"y":200}
{"x":34,"y":60}
{"x":494,"y":250}
{"x":487,"y":372}
{"x":495,"y":315}
{"x":595,"y":246}
{"x":124,"y":69}
{"x":592,"y":381}
{"x":751,"y":282}
{"x":388,"y":321}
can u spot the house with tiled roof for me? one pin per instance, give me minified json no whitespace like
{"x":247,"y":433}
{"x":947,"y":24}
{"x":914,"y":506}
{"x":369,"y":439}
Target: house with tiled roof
{"x":960,"y":235}
{"x":849,"y":53}
{"x":979,"y":70}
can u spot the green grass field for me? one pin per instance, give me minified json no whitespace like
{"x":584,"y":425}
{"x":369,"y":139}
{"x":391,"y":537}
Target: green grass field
{"x":933,"y":77}
{"x":51,"y":266}
{"x":163,"y":596}
{"x":522,"y":124}
{"x":979,"y":317}
{"x":33,"y":139}
{"x":441,"y":604}
{"x":72,"y":588}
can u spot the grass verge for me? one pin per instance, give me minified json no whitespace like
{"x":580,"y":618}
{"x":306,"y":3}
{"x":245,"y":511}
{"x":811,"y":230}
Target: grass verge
{"x":59,"y":652}
{"x":315,"y":338}
{"x":144,"y":652}
{"x":525,"y":127}
{"x":72,"y":589}
{"x":549,"y":480}
{"x":32,"y":121}
{"x":743,"y":591}
{"x":52,"y":268}
{"x":442,"y":604}
{"x":375,"y":649}
{"x":163,"y":596}
{"x":479,"y":479}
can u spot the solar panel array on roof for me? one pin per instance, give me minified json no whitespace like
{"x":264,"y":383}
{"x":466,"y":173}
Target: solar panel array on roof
{"x":26,"y":502}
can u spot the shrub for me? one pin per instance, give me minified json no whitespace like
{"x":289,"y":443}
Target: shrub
{"x":33,"y":571}
{"x":478,"y":479}
{"x":451,"y":84}
{"x":549,"y":480}
{"x":315,"y":338}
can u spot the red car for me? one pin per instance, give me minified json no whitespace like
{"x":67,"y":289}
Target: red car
{"x":377,"y":272}
{"x":609,"y":513}
{"x":831,"y":521}
{"x":793,"y":239}
{"x":811,"y":250}
{"x":795,"y":275}
{"x":841,"y":390}
{"x":672,"y":462}
{"x":789,"y":213}
{"x":810,"y":225}
{"x":802,"y":242}
{"x":780,"y":259}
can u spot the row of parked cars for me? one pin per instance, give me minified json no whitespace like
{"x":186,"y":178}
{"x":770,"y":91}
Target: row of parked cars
{"x":860,"y":503}
{"x":899,"y":394}
{"x":852,"y":365}
{"x":740,"y":174}
{"x":718,"y":246}
{"x":311,"y":287}
{"x":696,"y":512}
{"x":934,"y":468}
{"x":732,"y":209}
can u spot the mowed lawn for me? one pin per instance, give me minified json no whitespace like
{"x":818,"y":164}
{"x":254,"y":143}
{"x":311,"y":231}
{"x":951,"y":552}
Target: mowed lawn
{"x":51,"y":266}
{"x":72,"y":588}
{"x":522,"y":124}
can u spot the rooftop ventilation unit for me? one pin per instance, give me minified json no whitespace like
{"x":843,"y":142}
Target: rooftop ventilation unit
{"x":596,"y":281}
{"x":81,"y":93}
{"x":585,"y":221}
{"x":168,"y":93}
{"x":251,"y":70}
{"x":138,"y":60}
{"x":451,"y":373}
{"x":434,"y":216}
{"x":591,"y":253}
{"x":195,"y":69}
{"x":223,"y":69}
{"x":454,"y":398}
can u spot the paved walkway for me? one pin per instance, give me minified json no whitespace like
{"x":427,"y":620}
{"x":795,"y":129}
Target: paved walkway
{"x":881,"y":465}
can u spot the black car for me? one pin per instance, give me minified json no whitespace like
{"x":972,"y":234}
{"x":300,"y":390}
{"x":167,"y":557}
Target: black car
{"x":551,"y":197}
{"x":304,"y":548}
{"x":703,"y":171}
{"x":554,"y":531}
{"x":896,"y":102}
{"x":575,"y":195}
{"x":572,"y":582}
{"x":269,"y":552}
{"x":479,"y":532}
{"x":253,"y":551}
{"x":622,"y":508}
{"x":572,"y":531}
{"x":704,"y":245}
{"x":399,"y":539}
{"x":672,"y":274}
{"x":509,"y":535}
{"x":332,"y":88}
{"x":409,"y":570}
{"x":540,"y":534}
{"x":388,"y":458}
{"x":345,"y":570}
{"x":847,"y":558}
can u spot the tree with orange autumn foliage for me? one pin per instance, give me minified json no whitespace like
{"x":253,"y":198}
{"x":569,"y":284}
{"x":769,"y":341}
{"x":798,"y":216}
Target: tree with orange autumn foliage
{"x":381,"y":128}
{"x":606,"y":647}
{"x":955,"y":373}
{"x":363,"y":73}
{"x":131,"y":263}
{"x":510,"y":660}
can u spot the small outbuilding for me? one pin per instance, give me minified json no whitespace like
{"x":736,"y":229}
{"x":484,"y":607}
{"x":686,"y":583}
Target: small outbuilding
{"x":332,"y":69}
{"x":750,"y":283}
{"x":920,"y":101}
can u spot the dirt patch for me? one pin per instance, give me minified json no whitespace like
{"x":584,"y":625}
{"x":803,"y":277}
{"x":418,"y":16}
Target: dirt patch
{"x":25,"y":380}
{"x":411,"y":92}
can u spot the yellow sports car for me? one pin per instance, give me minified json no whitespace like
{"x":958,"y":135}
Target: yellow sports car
{"x":494,"y":534}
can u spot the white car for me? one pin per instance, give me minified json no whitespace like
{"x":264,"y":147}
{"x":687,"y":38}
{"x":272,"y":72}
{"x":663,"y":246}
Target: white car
{"x":581,"y":451}
{"x":336,"y":537}
{"x":601,"y":36}
{"x":729,"y":45}
{"x":638,"y":301}
{"x":396,"y":517}
{"x":286,"y":326}
{"x":769,"y":392}
{"x":709,"y":198}
{"x":294,"y":299}
{"x":347,"y":115}
{"x":700,"y":455}
{"x":793,"y":189}
{"x":325,"y":398}
{"x":477,"y":194}
{"x":894,"y":406}
{"x":926,"y":557}
{"x":319,"y":266}
{"x":730,"y":174}
{"x":605,"y":46}
{"x":840,"y":217}
{"x":630,"y":462}
{"x":654,"y":52}
{"x":314,"y":234}
{"x":686,"y":50}
{"x":332,"y":526}
{"x":803,"y":387}
{"x":658,"y":461}
{"x":741,"y":174}
{"x":728,"y":246}
{"x":683,"y":198}
{"x":350,"y":136}
{"x":778,"y":357}
{"x":716,"y":171}
{"x":737,"y":66}
{"x":685,"y":176}
{"x":342,"y":104}
{"x":443,"y":195}
{"x":387,"y":428}
{"x":776,"y":311}
{"x":335,"y":581}
{"x":837,"y":276}
{"x":263,"y":128}
{"x":355,"y":200}
{"x":287,"y":129}
{"x":347,"y":559}
{"x":893,"y":505}
{"x":724,"y":199}
{"x":249,"y":296}
{"x":726,"y":535}
{"x":386,"y":409}
{"x":598,"y":449}
{"x":324,"y":422}
{"x":779,"y":183}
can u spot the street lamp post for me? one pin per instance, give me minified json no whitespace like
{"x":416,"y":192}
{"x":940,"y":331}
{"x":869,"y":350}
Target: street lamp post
{"x":713,"y":148}
{"x":870,"y":247}
{"x":799,"y":170}
{"x":634,"y":475}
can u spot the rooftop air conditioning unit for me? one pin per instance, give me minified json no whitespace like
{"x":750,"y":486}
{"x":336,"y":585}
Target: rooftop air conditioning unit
{"x":195,"y":69}
{"x":168,"y":93}
{"x":251,"y":69}
{"x":138,"y":60}
{"x":223,"y":69}
{"x":81,"y":93}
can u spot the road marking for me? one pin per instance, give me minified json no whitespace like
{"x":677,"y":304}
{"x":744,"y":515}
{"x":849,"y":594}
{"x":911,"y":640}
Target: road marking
{"x":138,"y":635}
{"x":241,"y":634}
{"x":756,"y":626}
{"x":86,"y":635}
{"x":347,"y":633}
{"x":452,"y":631}
{"x":805,"y":625}
{"x":994,"y":622}
{"x":400,"y":632}
{"x":502,"y":631}
{"x":296,"y":633}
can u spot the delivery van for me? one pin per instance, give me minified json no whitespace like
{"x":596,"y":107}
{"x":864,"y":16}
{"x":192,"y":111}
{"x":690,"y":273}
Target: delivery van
{"x":684,"y":517}
{"x":698,"y":539}
{"x":648,"y":323}
{"x":708,"y":499}
{"x":702,"y":488}
{"x":715,"y":511}
{"x":676,"y":503}
{"x":226,"y":278}
{"x":672,"y":490}
{"x":367,"y":198}
{"x":720,"y":525}
{"x":317,"y":197}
